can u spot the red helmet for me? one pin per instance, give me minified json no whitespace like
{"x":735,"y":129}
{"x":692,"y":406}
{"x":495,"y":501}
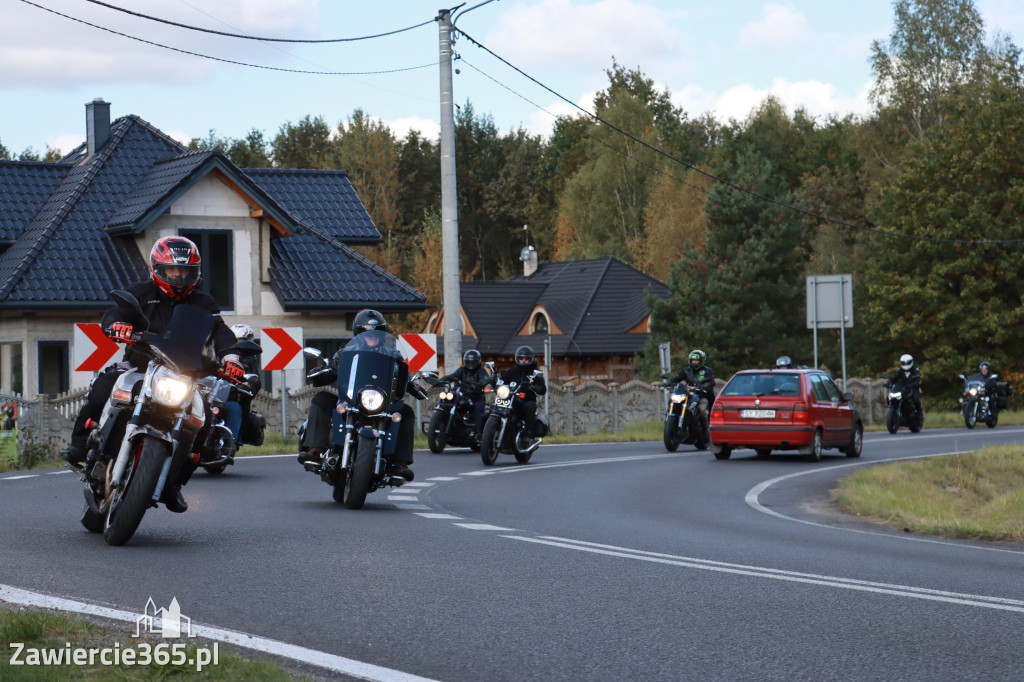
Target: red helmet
{"x":174,"y":266}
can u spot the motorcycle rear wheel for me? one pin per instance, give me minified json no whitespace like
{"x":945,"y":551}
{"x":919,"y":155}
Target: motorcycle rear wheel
{"x":489,"y":442}
{"x":916,"y":422}
{"x":356,"y":485}
{"x":136,"y":493}
{"x":892,"y":420}
{"x":436,"y":438}
{"x":992,"y":421}
{"x":672,"y":436}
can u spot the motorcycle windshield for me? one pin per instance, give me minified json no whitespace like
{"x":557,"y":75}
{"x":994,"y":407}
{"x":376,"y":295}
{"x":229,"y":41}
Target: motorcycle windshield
{"x":975,"y":381}
{"x":370,"y":359}
{"x":183,"y":343}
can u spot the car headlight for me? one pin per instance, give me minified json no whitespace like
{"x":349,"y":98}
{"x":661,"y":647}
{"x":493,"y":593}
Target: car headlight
{"x":973,"y":391}
{"x":503,"y":391}
{"x":678,"y":397}
{"x":371,"y":400}
{"x":170,"y":389}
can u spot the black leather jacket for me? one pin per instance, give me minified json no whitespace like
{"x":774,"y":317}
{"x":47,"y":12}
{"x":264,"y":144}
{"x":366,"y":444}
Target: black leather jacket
{"x":703,"y":379}
{"x":158,"y":309}
{"x":471,"y":381}
{"x":519,"y":374}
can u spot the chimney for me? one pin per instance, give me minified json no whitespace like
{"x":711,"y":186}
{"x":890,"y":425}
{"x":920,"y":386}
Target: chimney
{"x":529,"y":257}
{"x":97,"y":125}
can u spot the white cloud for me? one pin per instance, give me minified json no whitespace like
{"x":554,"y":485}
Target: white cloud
{"x":48,"y":50}
{"x":818,"y":99}
{"x":782,"y":26}
{"x":561,"y":32}
{"x":429,"y":129}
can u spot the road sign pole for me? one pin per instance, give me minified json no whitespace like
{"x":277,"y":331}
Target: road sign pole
{"x":284,"y":404}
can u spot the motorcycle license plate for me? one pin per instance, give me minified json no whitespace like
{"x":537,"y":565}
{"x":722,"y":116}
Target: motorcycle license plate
{"x":507,"y":402}
{"x":757,"y":414}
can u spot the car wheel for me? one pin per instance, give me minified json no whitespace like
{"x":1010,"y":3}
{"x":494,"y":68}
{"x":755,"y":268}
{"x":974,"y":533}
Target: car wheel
{"x":816,"y":446}
{"x":856,"y":442}
{"x":725,"y":452}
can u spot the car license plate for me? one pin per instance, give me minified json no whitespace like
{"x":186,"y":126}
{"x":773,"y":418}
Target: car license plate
{"x":507,"y":402}
{"x":757,"y":414}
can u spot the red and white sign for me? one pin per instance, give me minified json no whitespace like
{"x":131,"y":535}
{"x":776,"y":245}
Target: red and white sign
{"x":420,"y":351}
{"x":93,"y":350}
{"x":282,"y":348}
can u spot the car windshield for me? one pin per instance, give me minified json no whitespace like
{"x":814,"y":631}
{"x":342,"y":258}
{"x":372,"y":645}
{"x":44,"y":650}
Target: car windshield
{"x":764,"y":384}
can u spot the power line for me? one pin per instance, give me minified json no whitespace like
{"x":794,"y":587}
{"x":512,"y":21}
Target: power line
{"x":250,"y":37}
{"x":729,"y":183}
{"x":229,"y":61}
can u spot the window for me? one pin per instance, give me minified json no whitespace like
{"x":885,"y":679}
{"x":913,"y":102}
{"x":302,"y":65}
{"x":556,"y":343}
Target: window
{"x":54,"y":376}
{"x":539,"y":324}
{"x":833,"y":391}
{"x":820,"y":392}
{"x":217,"y":251}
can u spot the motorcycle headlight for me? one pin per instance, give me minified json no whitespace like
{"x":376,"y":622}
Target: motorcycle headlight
{"x":678,"y":397}
{"x":503,"y":391}
{"x":449,"y":396}
{"x":371,"y":400}
{"x":170,"y":389}
{"x":973,"y":391}
{"x":896,"y":396}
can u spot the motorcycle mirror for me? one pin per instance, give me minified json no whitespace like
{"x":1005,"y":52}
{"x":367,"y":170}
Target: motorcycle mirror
{"x":429,"y":376}
{"x":245,"y":348}
{"x":126,"y":299}
{"x":995,"y":376}
{"x":312,"y":352}
{"x":962,"y":377}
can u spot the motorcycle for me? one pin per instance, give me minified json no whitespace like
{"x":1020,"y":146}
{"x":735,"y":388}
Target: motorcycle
{"x":901,"y":411}
{"x":682,"y":421}
{"x":146,"y":430}
{"x":504,"y":432}
{"x":452,"y":421}
{"x":215,"y":444}
{"x":975,"y":404}
{"x":371,"y":382}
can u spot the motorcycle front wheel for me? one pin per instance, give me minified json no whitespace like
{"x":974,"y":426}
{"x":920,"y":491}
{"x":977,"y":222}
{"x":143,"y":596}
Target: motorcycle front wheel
{"x":436,"y":438}
{"x":672,"y":436}
{"x":489,"y":442}
{"x":892,"y":420}
{"x":133,"y":498}
{"x":356,"y":485}
{"x":970,"y":416}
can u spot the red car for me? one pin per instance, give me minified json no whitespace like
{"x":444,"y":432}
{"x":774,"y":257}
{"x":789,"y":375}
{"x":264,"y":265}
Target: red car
{"x":784,"y":409}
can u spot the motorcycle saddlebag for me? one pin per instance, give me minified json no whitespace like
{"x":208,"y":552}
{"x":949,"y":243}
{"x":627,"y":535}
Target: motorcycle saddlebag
{"x":252,"y":429}
{"x":1003,"y":393}
{"x":542,"y":426}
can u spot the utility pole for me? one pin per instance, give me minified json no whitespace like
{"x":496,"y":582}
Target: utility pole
{"x":449,"y":204}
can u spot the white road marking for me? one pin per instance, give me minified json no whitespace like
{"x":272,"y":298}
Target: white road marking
{"x":998,"y":603}
{"x":444,"y":478}
{"x":15,"y":478}
{"x":418,"y":485}
{"x":438,"y":516}
{"x":481,"y":526}
{"x":58,"y":473}
{"x":321,"y":659}
{"x":754,"y":493}
{"x":403,"y":498}
{"x":401,"y":505}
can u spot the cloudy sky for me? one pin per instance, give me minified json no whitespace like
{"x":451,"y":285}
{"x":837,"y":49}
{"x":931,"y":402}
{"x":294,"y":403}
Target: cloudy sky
{"x":720,"y":57}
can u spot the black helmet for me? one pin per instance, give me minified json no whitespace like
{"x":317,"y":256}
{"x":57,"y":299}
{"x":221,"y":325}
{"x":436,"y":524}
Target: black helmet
{"x":471,"y":359}
{"x":697,"y":358}
{"x":784,"y":362}
{"x":984,"y":366}
{"x":524,"y":356}
{"x":368,"y":320}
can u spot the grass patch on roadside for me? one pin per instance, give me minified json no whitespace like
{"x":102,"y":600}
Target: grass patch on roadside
{"x":954,"y":419}
{"x":52,"y":630}
{"x":977,"y":495}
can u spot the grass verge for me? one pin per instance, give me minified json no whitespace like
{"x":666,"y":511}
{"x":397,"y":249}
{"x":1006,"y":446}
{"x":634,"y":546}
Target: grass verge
{"x":977,"y":495}
{"x":55,"y":633}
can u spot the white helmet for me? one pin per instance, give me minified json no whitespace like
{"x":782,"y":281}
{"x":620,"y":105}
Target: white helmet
{"x":906,"y":361}
{"x":243,"y":332}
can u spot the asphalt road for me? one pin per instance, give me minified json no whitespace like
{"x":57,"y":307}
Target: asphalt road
{"x":593,"y":562}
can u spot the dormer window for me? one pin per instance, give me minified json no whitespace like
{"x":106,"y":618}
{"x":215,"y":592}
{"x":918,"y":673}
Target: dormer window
{"x":539,"y":323}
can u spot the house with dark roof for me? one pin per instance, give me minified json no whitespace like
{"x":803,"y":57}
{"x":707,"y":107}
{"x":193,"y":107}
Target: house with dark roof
{"x":275,"y":243}
{"x":593,"y":312}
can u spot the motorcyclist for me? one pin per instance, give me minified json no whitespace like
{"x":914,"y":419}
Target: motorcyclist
{"x":990,"y":386}
{"x":315,"y":439}
{"x":472,"y":378}
{"x":237,"y":412}
{"x":783,"y":362}
{"x":174,"y":269}
{"x":910,"y":376}
{"x":526,"y":365}
{"x":698,"y":373}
